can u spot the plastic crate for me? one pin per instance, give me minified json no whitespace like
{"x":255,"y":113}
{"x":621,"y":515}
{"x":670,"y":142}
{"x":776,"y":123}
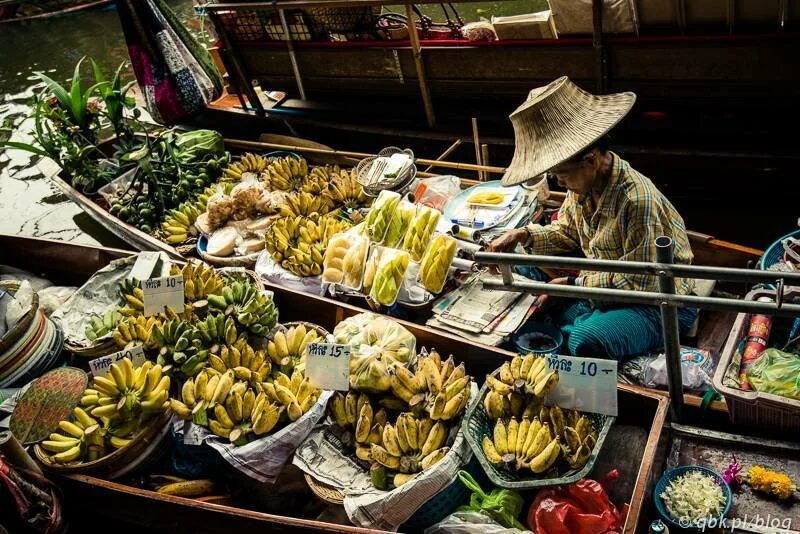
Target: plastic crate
{"x":753,"y":407}
{"x":476,"y":424}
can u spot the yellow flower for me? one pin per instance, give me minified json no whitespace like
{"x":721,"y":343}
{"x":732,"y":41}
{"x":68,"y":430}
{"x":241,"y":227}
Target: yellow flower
{"x":778,"y":484}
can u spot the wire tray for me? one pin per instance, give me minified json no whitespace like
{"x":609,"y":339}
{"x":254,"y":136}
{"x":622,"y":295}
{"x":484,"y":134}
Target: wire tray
{"x":373,"y":186}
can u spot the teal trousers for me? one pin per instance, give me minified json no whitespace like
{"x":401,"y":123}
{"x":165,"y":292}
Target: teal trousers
{"x":619,"y":332}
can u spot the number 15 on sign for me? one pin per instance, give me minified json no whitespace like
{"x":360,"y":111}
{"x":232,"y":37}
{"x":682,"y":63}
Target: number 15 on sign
{"x":328,"y":366}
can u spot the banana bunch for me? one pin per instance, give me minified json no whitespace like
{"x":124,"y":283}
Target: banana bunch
{"x":389,"y":277}
{"x":257,"y":313}
{"x":363,"y":425}
{"x":178,"y":225}
{"x":285,"y":174}
{"x":486,"y":197}
{"x":380,"y":215}
{"x":298,"y":243}
{"x":100,"y":326}
{"x":529,"y":444}
{"x":438,"y":388}
{"x":132,"y":331}
{"x":301,"y":203}
{"x":79,"y":439}
{"x":128,"y":393}
{"x":248,"y":164}
{"x":288,"y":349}
{"x":333,"y":261}
{"x":296,"y":394}
{"x":354,"y":262}
{"x":577,"y":434}
{"x":247,"y":364}
{"x":174,"y":340}
{"x":343,"y":189}
{"x":519,"y":387}
{"x":132,"y":296}
{"x":216,"y":331}
{"x":408,"y":447}
{"x":436,"y":262}
{"x":199,"y":281}
{"x":400,"y":222}
{"x":420,"y":231}
{"x":317,"y":180}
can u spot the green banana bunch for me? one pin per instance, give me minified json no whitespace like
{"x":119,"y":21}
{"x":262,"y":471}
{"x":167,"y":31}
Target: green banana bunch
{"x":250,"y":308}
{"x":100,"y":326}
{"x":132,"y":297}
{"x":436,"y":262}
{"x":420,"y":231}
{"x":174,"y":340}
{"x":132,"y":331}
{"x":380,"y":215}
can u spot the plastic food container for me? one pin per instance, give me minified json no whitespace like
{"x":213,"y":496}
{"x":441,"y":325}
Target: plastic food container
{"x":380,"y":215}
{"x":389,"y":276}
{"x":333,"y":262}
{"x":354,"y":261}
{"x":420,"y":231}
{"x":437,"y":258}
{"x":401,"y":218}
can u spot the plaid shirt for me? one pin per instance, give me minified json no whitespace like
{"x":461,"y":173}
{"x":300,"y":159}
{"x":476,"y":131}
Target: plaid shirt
{"x":630,"y":215}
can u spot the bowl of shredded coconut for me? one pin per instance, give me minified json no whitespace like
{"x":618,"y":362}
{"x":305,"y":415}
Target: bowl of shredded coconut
{"x":692,"y":496}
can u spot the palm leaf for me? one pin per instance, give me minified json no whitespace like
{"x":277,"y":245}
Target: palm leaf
{"x":24,"y":146}
{"x":76,"y":97}
{"x":54,"y":87}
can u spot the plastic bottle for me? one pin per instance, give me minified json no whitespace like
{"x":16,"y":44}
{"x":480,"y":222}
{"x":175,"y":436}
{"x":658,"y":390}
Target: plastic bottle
{"x":757,"y":338}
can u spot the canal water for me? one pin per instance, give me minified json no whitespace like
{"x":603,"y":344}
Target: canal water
{"x":30,"y":204}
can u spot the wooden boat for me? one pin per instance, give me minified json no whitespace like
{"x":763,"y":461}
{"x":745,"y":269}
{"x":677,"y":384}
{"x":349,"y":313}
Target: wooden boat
{"x":27,"y":10}
{"x":631,"y":446}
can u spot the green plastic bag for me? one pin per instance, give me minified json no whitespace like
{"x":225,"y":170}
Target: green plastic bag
{"x":776,"y":372}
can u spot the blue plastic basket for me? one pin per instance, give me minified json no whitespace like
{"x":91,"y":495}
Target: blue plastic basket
{"x":775,"y":252}
{"x":445,"y":502}
{"x":530,"y":327}
{"x":670,"y":475}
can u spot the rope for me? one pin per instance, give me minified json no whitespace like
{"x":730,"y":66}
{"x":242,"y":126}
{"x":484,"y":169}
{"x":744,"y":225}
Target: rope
{"x":502,"y":505}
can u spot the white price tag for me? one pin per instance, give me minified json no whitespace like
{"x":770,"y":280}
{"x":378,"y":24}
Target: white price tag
{"x":145,"y":265}
{"x":100,"y":366}
{"x":585,"y":384}
{"x":162,"y":292}
{"x":328,"y":366}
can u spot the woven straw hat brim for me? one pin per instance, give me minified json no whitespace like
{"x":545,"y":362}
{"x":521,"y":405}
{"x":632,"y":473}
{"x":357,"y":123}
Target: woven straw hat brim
{"x":559,"y":121}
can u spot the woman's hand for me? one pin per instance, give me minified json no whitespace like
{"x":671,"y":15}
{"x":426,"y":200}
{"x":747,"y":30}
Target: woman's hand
{"x":542,"y":300}
{"x":508,"y":241}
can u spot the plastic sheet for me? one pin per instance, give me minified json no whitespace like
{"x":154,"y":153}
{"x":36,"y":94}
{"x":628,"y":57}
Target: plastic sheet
{"x":776,"y":372}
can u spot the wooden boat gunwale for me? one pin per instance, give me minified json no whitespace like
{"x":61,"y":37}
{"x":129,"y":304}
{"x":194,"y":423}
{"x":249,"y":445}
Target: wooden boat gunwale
{"x":76,"y":261}
{"x":52,"y":14}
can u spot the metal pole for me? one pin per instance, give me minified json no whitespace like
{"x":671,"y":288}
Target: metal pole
{"x":416,"y":51}
{"x":292,"y":57}
{"x":670,"y":328}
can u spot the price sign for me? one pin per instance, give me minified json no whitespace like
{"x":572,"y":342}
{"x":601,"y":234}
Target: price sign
{"x":328,"y":366}
{"x":159,"y":293}
{"x":586,"y":384}
{"x":145,"y":265}
{"x":100,"y":366}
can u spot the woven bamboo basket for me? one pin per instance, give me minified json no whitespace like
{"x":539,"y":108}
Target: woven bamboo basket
{"x":324,"y":334}
{"x":323,"y":491}
{"x":251,"y":275}
{"x":145,"y":448}
{"x":103,"y":348}
{"x":231,"y":261}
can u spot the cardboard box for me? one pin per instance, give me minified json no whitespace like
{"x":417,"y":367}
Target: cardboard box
{"x":528,"y":26}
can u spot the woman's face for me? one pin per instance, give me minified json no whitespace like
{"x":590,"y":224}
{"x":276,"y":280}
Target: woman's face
{"x":578,"y":176}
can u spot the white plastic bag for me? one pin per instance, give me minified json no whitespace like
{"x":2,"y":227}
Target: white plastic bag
{"x":470,"y":523}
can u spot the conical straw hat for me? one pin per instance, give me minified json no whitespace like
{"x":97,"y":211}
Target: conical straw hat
{"x":557,"y":122}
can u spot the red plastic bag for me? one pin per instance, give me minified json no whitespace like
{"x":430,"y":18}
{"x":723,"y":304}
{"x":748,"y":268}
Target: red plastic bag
{"x":581,"y":508}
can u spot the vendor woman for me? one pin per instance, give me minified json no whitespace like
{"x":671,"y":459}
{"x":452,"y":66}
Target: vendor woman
{"x":611,"y":212}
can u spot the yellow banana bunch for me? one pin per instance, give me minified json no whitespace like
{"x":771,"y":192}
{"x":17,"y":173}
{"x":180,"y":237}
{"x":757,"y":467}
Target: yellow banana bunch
{"x":438,"y":388}
{"x":578,"y":436}
{"x":248,"y":165}
{"x":344,"y":190}
{"x":247,"y":364}
{"x":288,"y":349}
{"x":132,"y":331}
{"x":285,"y":174}
{"x":132,"y":296}
{"x":296,"y":394}
{"x":127,"y":393}
{"x":520,"y":445}
{"x":305,"y":204}
{"x":298,"y":243}
{"x":199,"y":281}
{"x":178,"y":225}
{"x":519,"y":387}
{"x":363,"y":424}
{"x":81,"y":439}
{"x":420,"y":231}
{"x":316,"y":183}
{"x":407,"y":447}
{"x":436,"y":262}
